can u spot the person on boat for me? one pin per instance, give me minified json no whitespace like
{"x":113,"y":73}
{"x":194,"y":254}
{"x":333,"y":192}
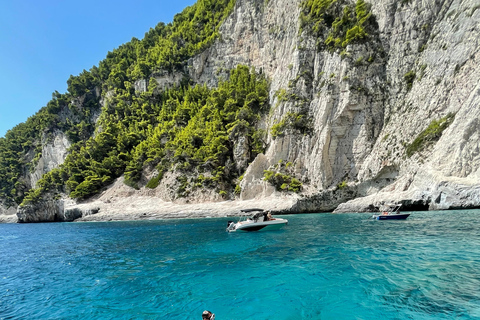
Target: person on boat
{"x":207,"y":315}
{"x":269,"y":216}
{"x":384,"y":213}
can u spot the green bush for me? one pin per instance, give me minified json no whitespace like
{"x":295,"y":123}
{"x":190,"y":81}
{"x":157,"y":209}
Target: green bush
{"x":278,"y":129}
{"x":154,"y":182}
{"x":430,"y":135}
{"x":342,"y":185}
{"x":409,"y":77}
{"x":292,"y":120}
{"x":345,"y":23}
{"x":238,"y":189}
{"x":89,"y":187}
{"x":223,"y":193}
{"x":281,"y":181}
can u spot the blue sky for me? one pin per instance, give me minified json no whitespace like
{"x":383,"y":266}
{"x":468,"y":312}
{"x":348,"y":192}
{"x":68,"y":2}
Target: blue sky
{"x":43,"y":42}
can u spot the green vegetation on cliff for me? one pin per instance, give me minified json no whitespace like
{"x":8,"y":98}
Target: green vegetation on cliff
{"x":190,"y":130}
{"x":300,"y":122}
{"x":337,"y":23}
{"x":281,"y":177}
{"x":22,"y":146}
{"x":198,"y":129}
{"x":165,"y":47}
{"x":430,"y":135}
{"x":127,"y":118}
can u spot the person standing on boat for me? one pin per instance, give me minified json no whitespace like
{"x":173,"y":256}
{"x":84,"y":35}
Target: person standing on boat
{"x":207,"y":315}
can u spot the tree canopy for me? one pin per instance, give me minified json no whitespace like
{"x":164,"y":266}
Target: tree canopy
{"x":188,"y":128}
{"x":126,"y":119}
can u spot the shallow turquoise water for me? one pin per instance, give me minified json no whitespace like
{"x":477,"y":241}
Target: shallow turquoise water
{"x":320,"y":266}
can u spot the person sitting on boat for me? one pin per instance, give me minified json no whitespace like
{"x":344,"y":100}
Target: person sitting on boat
{"x":207,"y":315}
{"x":384,"y":213}
{"x":269,"y":216}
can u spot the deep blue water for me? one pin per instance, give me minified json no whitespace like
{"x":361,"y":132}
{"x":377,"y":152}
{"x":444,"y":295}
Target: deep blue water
{"x":320,"y":266}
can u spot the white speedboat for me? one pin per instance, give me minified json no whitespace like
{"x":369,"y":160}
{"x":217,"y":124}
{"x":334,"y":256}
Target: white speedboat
{"x":256,"y":220}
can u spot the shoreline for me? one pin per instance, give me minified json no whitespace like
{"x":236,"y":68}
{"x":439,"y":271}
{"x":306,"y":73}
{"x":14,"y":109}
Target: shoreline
{"x":141,"y":207}
{"x":156,"y":209}
{"x":150,"y":208}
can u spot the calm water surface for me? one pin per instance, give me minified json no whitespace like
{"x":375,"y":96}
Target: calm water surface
{"x":321,"y":266}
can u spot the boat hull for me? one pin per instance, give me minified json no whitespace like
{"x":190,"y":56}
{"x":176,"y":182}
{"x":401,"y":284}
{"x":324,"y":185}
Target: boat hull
{"x":259,"y":226}
{"x":400,"y":216}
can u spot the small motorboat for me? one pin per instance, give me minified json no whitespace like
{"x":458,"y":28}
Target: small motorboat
{"x":392,"y":213}
{"x":258,"y":219}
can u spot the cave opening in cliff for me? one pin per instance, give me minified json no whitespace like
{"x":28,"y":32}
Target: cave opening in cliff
{"x":416,"y":206}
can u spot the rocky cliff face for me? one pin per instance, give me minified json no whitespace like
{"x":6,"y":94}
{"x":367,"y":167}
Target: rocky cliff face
{"x":372,"y":113}
{"x":54,"y":151}
{"x":438,"y":41}
{"x":367,"y":106}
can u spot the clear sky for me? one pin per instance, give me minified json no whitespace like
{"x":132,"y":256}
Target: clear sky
{"x":43,"y":42}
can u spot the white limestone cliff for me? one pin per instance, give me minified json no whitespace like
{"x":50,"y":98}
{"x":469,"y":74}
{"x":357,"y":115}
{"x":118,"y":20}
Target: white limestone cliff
{"x":363,"y":113}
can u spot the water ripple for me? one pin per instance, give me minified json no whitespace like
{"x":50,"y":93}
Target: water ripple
{"x":320,"y":266}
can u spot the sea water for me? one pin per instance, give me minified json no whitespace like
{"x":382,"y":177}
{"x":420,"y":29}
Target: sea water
{"x":320,"y":266}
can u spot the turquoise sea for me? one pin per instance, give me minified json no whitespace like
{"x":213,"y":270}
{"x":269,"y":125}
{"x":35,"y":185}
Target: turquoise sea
{"x":320,"y":266}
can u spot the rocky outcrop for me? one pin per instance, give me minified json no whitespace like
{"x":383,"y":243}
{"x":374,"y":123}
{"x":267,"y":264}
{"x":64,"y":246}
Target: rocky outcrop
{"x":7,"y":213}
{"x":163,"y":81}
{"x":252,"y":183}
{"x":42,"y":211}
{"x":54,"y":151}
{"x":48,"y":210}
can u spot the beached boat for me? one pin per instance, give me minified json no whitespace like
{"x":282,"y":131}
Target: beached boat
{"x":256,"y":220}
{"x":393,"y":213}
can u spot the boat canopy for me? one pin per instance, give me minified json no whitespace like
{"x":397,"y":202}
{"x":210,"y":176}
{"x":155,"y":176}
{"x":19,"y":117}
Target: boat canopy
{"x":391,"y":207}
{"x":251,"y":210}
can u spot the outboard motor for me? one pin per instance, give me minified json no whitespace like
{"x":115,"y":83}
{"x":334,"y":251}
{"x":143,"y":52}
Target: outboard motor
{"x":230,"y":225}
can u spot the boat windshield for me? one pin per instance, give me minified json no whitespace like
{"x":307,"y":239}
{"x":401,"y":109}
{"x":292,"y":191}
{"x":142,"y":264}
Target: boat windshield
{"x":253,"y":214}
{"x":391,"y":208}
{"x":257,"y":215}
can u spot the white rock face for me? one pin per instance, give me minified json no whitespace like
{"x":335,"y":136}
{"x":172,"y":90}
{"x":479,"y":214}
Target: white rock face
{"x":445,"y":175}
{"x":252,"y":184}
{"x":54,"y":153}
{"x":164,"y":80}
{"x":7,"y":213}
{"x":363,"y":113}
